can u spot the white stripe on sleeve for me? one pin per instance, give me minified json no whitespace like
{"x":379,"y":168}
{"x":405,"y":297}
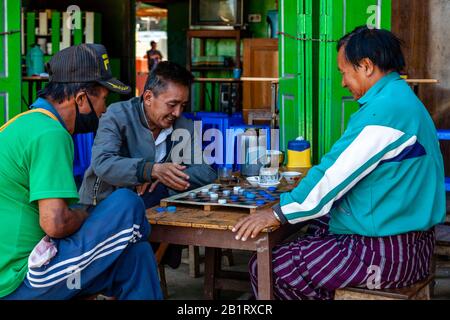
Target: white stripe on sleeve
{"x":370,"y":141}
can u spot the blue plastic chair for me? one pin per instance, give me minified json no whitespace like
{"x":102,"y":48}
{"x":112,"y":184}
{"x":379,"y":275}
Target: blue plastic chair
{"x":231,"y":154}
{"x":82,"y":152}
{"x":220,"y":121}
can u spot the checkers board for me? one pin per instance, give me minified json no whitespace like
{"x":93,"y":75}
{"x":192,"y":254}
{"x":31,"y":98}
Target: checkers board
{"x":248,"y":197}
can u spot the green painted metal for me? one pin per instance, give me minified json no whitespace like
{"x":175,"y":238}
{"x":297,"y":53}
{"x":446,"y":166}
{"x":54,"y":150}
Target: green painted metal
{"x":56,"y":30}
{"x":338,"y":17}
{"x":10,"y":65}
{"x":78,"y":32}
{"x":312,"y":102}
{"x":309,"y":67}
{"x":292,"y":71}
{"x":31,"y":30}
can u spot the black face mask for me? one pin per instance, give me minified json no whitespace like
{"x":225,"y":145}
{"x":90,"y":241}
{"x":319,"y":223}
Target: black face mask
{"x":88,"y":122}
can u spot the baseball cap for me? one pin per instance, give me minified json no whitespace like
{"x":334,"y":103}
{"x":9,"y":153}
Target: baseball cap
{"x":87,"y":62}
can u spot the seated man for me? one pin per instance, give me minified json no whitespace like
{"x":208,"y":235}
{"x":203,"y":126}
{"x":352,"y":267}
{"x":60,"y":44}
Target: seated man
{"x":50,"y":251}
{"x":375,"y":196}
{"x":134,"y":147}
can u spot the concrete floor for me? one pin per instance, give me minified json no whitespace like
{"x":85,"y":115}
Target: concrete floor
{"x":183,"y":287}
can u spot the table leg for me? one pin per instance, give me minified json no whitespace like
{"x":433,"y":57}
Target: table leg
{"x":30,"y":93}
{"x":264,"y":260}
{"x":194,"y":261}
{"x":212,"y":259}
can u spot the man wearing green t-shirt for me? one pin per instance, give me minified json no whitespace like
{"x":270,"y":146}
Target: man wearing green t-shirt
{"x":49,"y":250}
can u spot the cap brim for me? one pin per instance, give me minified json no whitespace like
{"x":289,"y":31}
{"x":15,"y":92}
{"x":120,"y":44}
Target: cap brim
{"x":115,"y":85}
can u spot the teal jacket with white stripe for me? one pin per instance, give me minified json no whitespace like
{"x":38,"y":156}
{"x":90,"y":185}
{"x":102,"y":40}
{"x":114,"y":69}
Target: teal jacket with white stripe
{"x":383,"y":177}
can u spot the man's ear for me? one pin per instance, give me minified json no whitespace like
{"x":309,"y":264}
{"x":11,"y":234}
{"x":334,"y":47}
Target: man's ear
{"x":79,"y":98}
{"x":368,"y":66}
{"x":147,"y":97}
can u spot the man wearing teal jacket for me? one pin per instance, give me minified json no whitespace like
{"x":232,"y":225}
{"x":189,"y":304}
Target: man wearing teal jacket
{"x":376,"y":195}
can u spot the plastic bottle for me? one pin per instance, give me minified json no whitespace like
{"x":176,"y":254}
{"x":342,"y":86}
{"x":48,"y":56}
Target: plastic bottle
{"x":35,"y":61}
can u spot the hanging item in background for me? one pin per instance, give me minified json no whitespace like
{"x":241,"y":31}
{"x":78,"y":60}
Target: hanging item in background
{"x":272,"y":21}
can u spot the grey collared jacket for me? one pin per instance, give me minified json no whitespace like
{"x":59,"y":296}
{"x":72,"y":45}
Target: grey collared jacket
{"x":124,"y":147}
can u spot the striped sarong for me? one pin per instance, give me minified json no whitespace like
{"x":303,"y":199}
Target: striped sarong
{"x":315,"y":265}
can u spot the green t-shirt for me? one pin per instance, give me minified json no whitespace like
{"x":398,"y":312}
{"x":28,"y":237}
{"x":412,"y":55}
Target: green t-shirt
{"x":36,"y":162}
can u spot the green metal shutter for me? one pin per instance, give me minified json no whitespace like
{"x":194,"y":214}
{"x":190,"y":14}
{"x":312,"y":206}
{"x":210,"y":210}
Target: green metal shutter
{"x":336,"y":105}
{"x":10,"y":65}
{"x":292,"y":71}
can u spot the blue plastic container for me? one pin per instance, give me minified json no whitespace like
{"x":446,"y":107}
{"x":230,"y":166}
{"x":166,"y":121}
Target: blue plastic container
{"x":298,"y":145}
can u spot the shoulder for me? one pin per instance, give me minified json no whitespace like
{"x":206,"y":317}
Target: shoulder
{"x":396,"y":106}
{"x":184,"y":123}
{"x":123,"y":109}
{"x":42,"y":125}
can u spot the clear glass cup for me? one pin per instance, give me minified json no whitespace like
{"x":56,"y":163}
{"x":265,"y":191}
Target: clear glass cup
{"x":224,"y":175}
{"x":268,"y":175}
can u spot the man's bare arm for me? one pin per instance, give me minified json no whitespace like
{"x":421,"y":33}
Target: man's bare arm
{"x":57,"y":220}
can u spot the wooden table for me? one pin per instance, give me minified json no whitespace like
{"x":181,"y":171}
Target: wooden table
{"x":212,"y":229}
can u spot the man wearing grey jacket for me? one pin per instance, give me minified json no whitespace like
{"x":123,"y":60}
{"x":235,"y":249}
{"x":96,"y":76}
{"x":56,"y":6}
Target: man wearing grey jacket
{"x":133,"y":144}
{"x":133,"y":147}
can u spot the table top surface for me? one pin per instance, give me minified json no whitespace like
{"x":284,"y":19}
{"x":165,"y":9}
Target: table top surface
{"x":35,"y":78}
{"x":194,"y":217}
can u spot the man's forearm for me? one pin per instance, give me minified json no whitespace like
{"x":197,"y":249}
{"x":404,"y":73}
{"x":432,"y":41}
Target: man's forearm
{"x":71,"y":222}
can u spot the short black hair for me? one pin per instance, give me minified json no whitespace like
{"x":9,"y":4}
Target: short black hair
{"x":381,"y":46}
{"x":60,"y":92}
{"x":152,"y":42}
{"x":166,"y":72}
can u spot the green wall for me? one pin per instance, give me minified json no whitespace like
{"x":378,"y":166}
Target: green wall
{"x":177,"y":25}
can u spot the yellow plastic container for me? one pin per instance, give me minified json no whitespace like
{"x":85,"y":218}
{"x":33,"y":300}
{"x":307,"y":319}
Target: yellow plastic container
{"x":299,"y":154}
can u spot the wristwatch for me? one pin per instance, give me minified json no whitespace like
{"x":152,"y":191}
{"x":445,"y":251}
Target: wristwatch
{"x":276,"y":216}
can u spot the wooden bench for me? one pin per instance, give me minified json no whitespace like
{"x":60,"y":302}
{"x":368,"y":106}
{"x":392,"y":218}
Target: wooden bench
{"x":417,"y":291}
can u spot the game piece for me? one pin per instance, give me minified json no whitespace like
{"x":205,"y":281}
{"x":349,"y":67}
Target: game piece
{"x":213,"y":196}
{"x":241,"y":191}
{"x":222,"y":201}
{"x":260,"y":202}
{"x":205,"y":190}
{"x":160,"y":209}
{"x":272,"y":189}
{"x":226,"y":193}
{"x":215,"y":186}
{"x":192,"y":195}
{"x":234,"y":198}
{"x":171,"y":209}
{"x":250,"y":195}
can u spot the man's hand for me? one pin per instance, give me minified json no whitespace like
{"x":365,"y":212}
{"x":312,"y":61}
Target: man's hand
{"x":171,"y":175}
{"x":140,"y":189}
{"x":252,"y":224}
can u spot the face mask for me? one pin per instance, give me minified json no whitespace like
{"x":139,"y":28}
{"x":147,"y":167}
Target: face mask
{"x":88,"y":122}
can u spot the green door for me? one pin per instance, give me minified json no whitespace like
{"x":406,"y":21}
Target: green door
{"x":10,"y":75}
{"x":337,"y":18}
{"x":292,"y":71}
